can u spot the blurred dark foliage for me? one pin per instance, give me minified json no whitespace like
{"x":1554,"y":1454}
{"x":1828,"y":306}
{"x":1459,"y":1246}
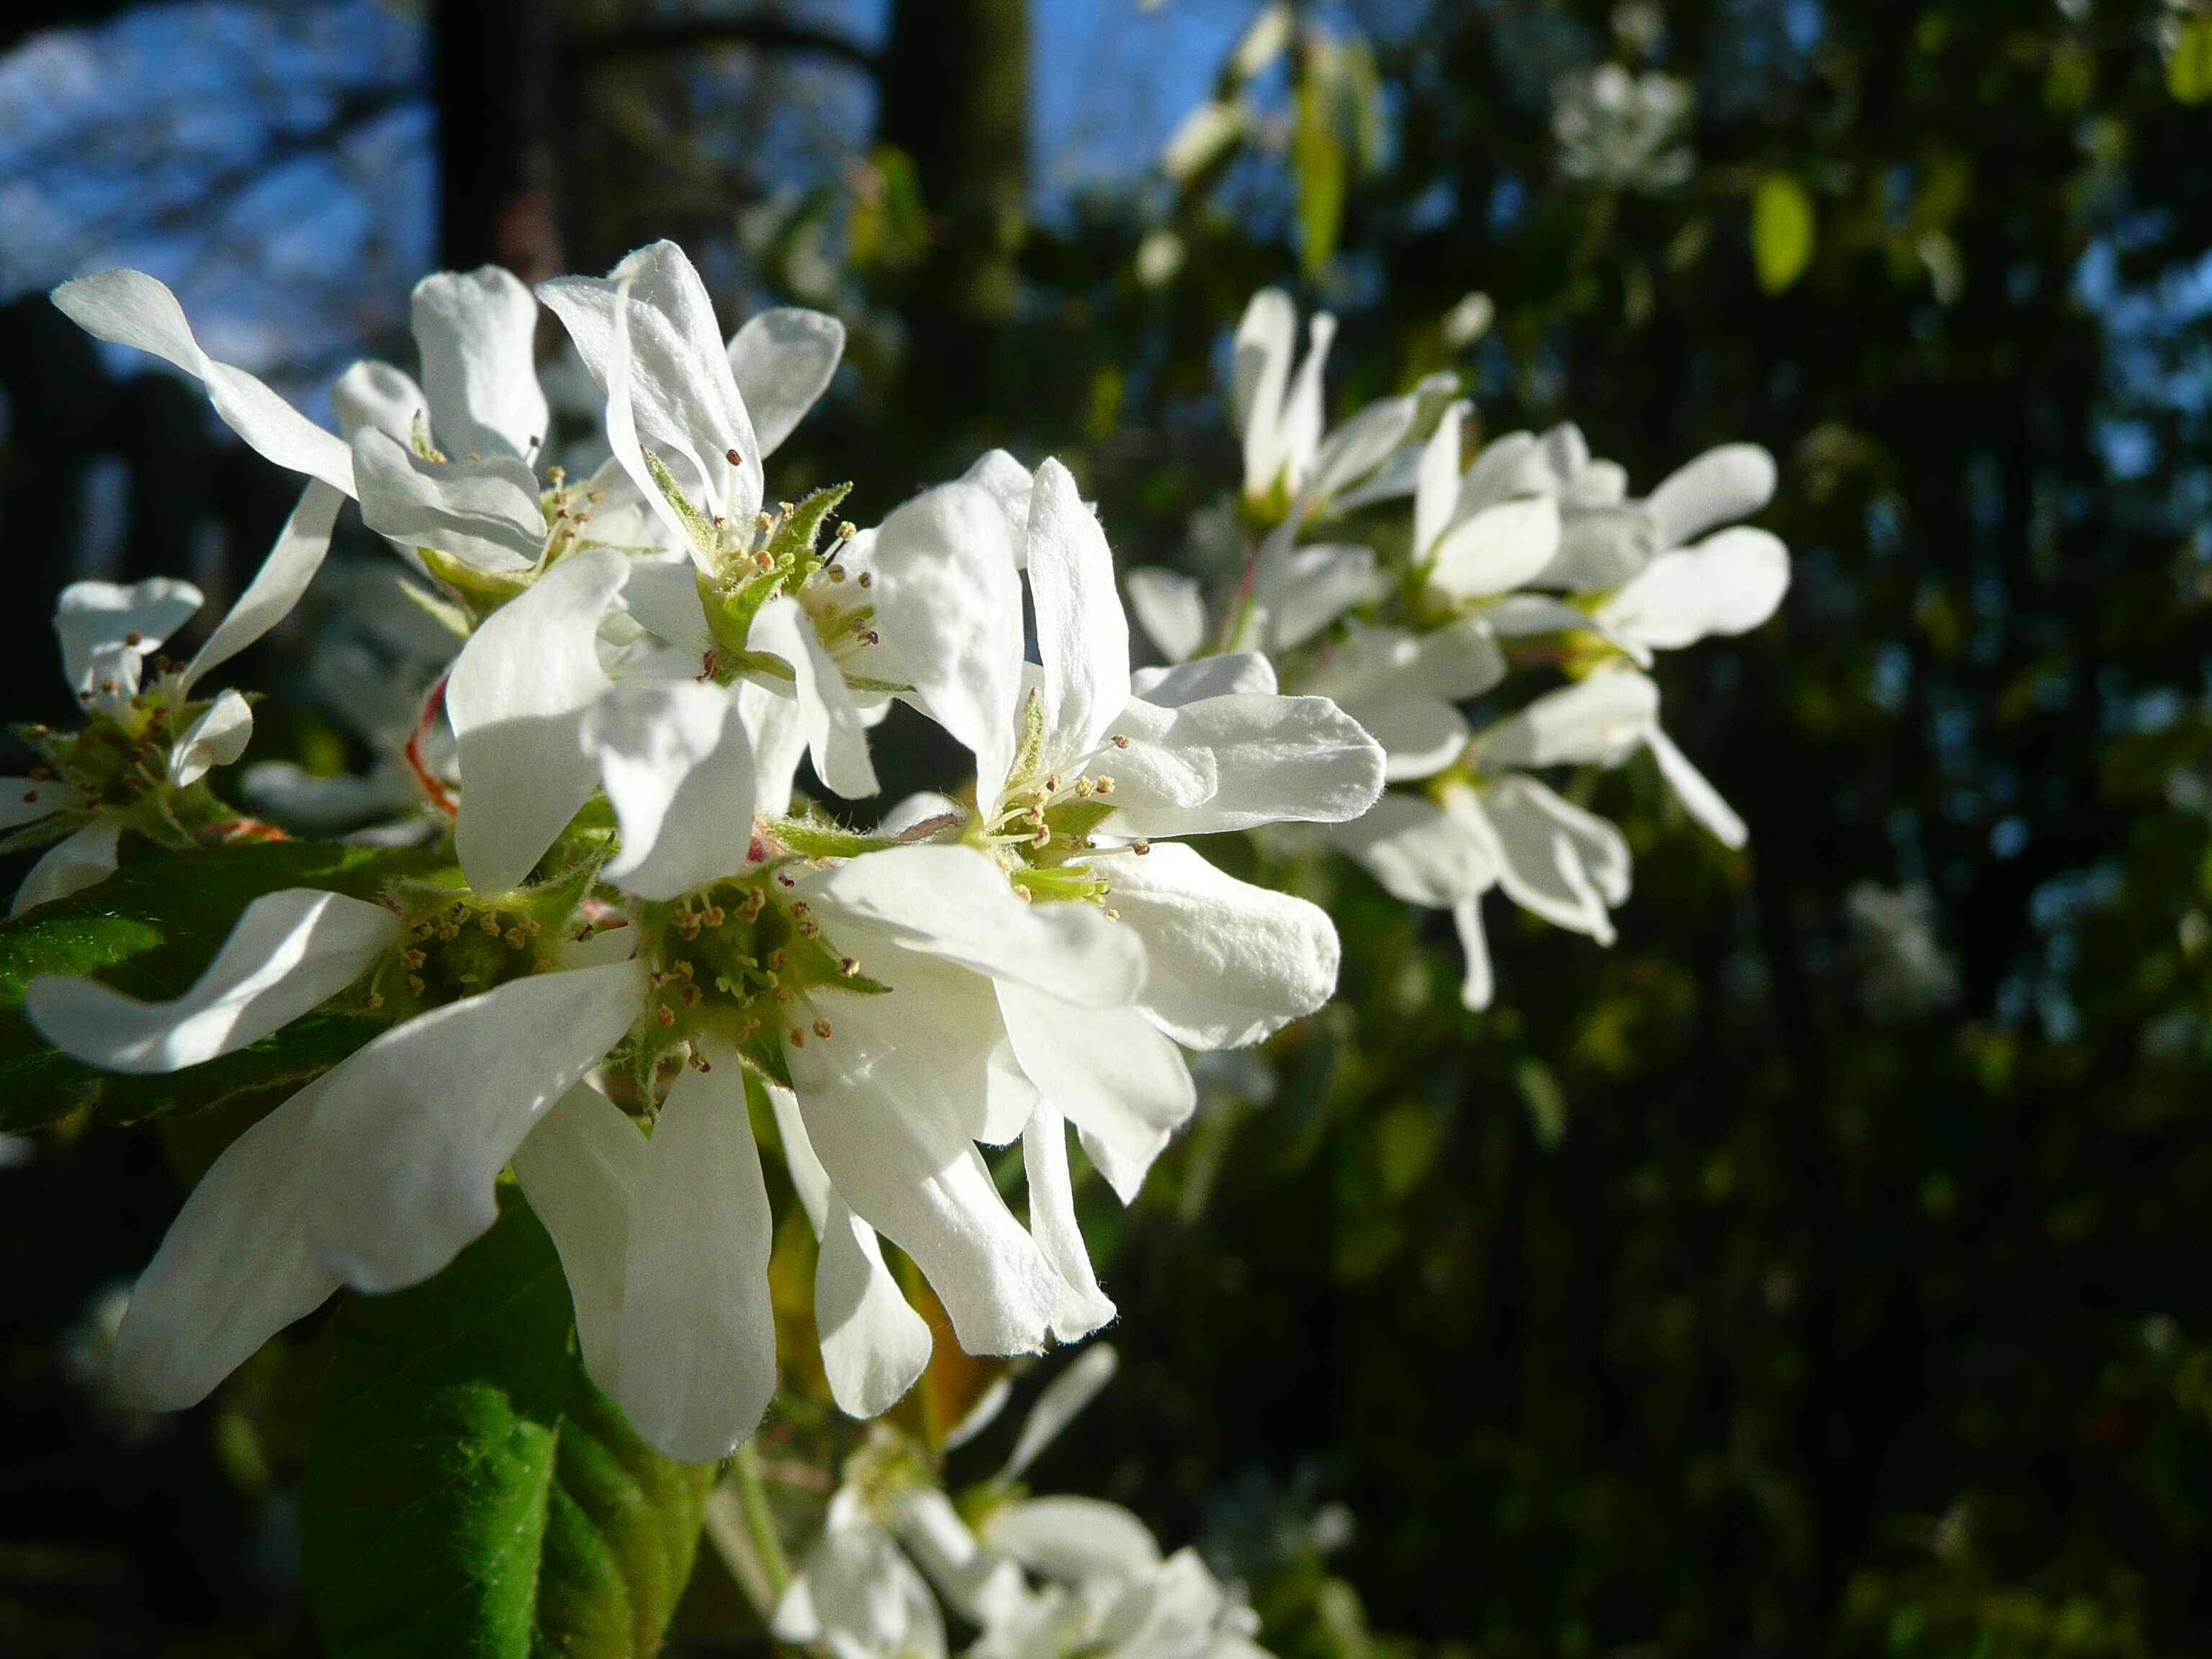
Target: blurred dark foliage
{"x":1821,"y":1270}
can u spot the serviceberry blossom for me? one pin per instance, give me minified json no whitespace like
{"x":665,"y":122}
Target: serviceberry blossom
{"x":139,"y":760}
{"x":1531,"y":554}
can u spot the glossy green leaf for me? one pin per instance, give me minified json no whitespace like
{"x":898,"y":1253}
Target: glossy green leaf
{"x":469,"y":1493}
{"x":1781,"y":231}
{"x":150,"y":929}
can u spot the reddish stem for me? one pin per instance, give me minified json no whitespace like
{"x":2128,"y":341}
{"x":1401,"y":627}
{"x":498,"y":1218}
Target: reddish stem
{"x":429,"y":782}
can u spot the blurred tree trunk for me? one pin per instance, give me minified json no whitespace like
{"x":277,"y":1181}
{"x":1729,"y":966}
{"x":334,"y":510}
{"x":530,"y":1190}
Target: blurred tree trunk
{"x":491,"y":81}
{"x":955,"y":98}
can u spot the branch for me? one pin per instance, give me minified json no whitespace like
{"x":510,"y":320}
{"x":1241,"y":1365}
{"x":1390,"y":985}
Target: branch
{"x":689,"y":33}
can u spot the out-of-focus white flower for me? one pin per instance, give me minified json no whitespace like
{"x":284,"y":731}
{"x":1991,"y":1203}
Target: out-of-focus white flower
{"x":1621,"y":130}
{"x":1907,"y":973}
{"x":1049,"y":1577}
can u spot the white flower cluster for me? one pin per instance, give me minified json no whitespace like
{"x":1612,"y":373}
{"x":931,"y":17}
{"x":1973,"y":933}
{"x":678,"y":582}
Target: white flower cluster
{"x":1050,"y":1577}
{"x":1532,"y":552}
{"x":649,"y":946}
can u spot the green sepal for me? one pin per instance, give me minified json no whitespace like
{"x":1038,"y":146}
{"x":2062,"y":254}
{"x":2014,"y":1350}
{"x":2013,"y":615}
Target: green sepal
{"x":469,"y":1492}
{"x":819,"y":839}
{"x":480,"y":593}
{"x":697,"y":524}
{"x":150,"y":929}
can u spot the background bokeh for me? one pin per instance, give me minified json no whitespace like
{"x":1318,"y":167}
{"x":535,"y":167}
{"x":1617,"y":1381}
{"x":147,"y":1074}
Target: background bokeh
{"x":1824,"y":1269}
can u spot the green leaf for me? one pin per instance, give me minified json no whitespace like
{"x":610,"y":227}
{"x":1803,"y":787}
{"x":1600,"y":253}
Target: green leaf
{"x":1781,"y":231}
{"x":469,"y":1493}
{"x":1318,"y":153}
{"x":2189,"y":65}
{"x":150,"y":929}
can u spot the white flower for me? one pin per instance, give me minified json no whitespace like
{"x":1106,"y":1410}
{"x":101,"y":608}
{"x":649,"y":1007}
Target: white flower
{"x":1605,"y":539}
{"x":1622,"y":130}
{"x":1079,"y":767}
{"x":762,"y":600}
{"x":1047,"y":1578}
{"x":380,"y":1170}
{"x":1493,"y":825}
{"x":1405,"y":688}
{"x":145,"y":743}
{"x":1290,"y":468}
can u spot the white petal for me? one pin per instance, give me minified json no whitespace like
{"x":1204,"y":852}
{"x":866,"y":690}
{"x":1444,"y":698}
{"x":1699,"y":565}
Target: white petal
{"x":1513,"y":464}
{"x":1599,"y":549}
{"x":1009,"y":483}
{"x":276,"y":587}
{"x":1437,"y":492}
{"x":698,"y":1333}
{"x":1171,"y":609}
{"x":1082,"y":639}
{"x":1303,"y":590}
{"x":1420,"y":736}
{"x":516,"y":700}
{"x":376,"y":394}
{"x":1059,"y":1403}
{"x":874,"y":1345}
{"x":484,"y":513}
{"x":948,"y":602}
{"x":1499,"y":549}
{"x":837,"y":736}
{"x":478,"y":334}
{"x":782,"y":360}
{"x":1420,"y":852}
{"x":217,"y":737}
{"x":956,"y":903}
{"x":1053,"y":1225}
{"x":233,"y":1269}
{"x":683,"y":398}
{"x":1555,"y":859}
{"x":1601,"y":719}
{"x":129,"y":308}
{"x":1723,"y":484}
{"x":86,"y":859}
{"x":1074,"y":1540}
{"x":1271,"y":759}
{"x":982,"y":1587}
{"x":289,"y":953}
{"x":27,"y":800}
{"x":1476,"y":985}
{"x":1203,"y":676}
{"x":1359,"y":447}
{"x":580,"y":1169}
{"x":1302,"y":416}
{"x":1699,"y":799}
{"x":663,"y":595}
{"x":1728,"y":583}
{"x":414,"y":1129}
{"x":886,"y":1120}
{"x":924,"y":806}
{"x":858,"y":1595}
{"x":93,"y":615}
{"x":1260,"y":372}
{"x":1108,"y":1070}
{"x":777,"y":728}
{"x":1227,"y":962}
{"x":678,"y":771}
